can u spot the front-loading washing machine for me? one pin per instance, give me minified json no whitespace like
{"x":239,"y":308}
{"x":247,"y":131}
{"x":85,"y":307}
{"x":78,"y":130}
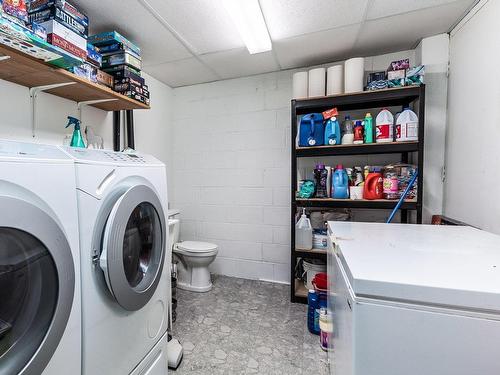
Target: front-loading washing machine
{"x":125,"y":263}
{"x":40,"y":330}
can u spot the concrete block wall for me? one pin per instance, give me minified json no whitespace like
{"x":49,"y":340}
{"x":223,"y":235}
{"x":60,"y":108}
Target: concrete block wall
{"x":231,"y":169}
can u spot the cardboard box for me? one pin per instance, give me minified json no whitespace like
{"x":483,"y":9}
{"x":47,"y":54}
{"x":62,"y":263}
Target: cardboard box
{"x":105,"y":79}
{"x":57,"y":41}
{"x":396,"y":74}
{"x":56,"y":28}
{"x":93,"y":56}
{"x":121,"y":59}
{"x":123,"y":71}
{"x":38,"y":5}
{"x":62,"y":17}
{"x":112,"y":37}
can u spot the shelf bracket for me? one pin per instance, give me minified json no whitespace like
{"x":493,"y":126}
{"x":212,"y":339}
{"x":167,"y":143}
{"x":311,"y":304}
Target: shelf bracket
{"x":80,"y":105}
{"x":34,"y":91}
{"x":4,"y":58}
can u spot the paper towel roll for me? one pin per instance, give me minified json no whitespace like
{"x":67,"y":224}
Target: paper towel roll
{"x":335,"y":80}
{"x":354,"y":73}
{"x":317,"y":82}
{"x":300,"y":87}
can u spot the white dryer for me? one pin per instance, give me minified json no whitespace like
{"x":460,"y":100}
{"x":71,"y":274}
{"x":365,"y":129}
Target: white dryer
{"x":40,"y":330}
{"x":125,"y":264}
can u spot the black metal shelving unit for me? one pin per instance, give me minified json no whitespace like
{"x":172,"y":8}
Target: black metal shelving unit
{"x":406,"y":96}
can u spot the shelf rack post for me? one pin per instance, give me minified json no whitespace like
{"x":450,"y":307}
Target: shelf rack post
{"x":34,"y":91}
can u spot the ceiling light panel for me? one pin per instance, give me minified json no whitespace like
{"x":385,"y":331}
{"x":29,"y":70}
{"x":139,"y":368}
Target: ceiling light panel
{"x":201,"y":23}
{"x":288,"y":18}
{"x":249,"y":21}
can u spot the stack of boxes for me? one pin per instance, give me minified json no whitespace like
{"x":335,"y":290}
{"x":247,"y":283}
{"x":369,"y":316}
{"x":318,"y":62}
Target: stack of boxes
{"x":122,"y":59}
{"x":398,"y":74}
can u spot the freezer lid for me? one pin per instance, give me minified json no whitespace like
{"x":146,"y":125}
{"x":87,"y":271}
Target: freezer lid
{"x":426,"y":264}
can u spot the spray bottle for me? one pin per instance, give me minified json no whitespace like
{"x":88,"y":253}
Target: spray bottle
{"x":76,"y":139}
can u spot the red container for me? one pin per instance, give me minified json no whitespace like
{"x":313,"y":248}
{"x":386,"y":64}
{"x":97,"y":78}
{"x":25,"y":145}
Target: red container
{"x":320,"y":281}
{"x":374,"y":186}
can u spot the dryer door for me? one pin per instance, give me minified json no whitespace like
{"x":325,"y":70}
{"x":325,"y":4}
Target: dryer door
{"x":133,"y":247}
{"x":37,"y":282}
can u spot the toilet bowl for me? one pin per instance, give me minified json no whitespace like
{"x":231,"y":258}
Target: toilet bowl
{"x":192,"y":257}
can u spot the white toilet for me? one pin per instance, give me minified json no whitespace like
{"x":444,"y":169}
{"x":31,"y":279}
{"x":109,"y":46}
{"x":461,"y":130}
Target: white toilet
{"x":193,"y":258}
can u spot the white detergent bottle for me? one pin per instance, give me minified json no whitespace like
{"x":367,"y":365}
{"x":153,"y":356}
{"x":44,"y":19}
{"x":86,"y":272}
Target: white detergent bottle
{"x":303,"y":233}
{"x":407,"y":126}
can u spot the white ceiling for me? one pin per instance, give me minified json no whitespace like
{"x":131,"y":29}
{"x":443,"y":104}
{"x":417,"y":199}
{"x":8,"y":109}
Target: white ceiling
{"x":186,"y":42}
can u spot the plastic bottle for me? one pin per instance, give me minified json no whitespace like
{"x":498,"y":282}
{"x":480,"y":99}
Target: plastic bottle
{"x":76,"y":139}
{"x":358,"y":133}
{"x":332,"y":132}
{"x":326,"y":329}
{"x":385,"y":126}
{"x":407,"y":126}
{"x":320,"y":177}
{"x":348,"y":131}
{"x":303,"y":233}
{"x":312,"y":306}
{"x":391,"y":183}
{"x":368,"y":128}
{"x":340,"y":183}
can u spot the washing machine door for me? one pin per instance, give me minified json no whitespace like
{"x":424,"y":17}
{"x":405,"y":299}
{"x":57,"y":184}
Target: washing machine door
{"x":37,"y":281}
{"x":133,"y":247}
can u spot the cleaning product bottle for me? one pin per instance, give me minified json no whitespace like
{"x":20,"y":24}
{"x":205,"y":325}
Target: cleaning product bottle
{"x":332,"y":132}
{"x":407,"y":126}
{"x":320,"y":176}
{"x":348,"y":131}
{"x":303,"y":233}
{"x":358,"y":133}
{"x":340,"y":183}
{"x":385,"y":126}
{"x":76,"y":139}
{"x":368,"y":128}
{"x":374,"y":188}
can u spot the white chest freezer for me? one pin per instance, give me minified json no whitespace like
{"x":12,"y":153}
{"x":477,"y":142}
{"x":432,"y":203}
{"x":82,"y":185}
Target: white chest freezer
{"x":414,"y":299}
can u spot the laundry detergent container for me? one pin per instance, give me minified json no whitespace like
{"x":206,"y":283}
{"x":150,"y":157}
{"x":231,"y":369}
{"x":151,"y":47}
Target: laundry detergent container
{"x":192,"y":257}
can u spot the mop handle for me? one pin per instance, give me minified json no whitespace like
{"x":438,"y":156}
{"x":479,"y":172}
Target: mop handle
{"x":403,"y":196}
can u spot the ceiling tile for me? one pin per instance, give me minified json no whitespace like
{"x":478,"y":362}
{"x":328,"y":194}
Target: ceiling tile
{"x":238,"y":63}
{"x":182,"y":72}
{"x":134,"y":21}
{"x":404,"y":31}
{"x":316,"y":48}
{"x":385,"y":8}
{"x":204,"y":24}
{"x":287,"y":18}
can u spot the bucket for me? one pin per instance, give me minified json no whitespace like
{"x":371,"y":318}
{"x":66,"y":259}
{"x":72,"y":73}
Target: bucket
{"x":311,"y":268}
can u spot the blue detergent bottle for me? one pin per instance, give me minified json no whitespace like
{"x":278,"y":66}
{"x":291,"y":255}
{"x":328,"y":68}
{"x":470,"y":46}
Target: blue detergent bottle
{"x":340,"y":183}
{"x":315,"y":301}
{"x":332,"y":132}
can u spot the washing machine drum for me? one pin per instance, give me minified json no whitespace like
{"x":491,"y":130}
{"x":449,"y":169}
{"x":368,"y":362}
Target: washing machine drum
{"x":133,"y":247}
{"x":37,"y":283}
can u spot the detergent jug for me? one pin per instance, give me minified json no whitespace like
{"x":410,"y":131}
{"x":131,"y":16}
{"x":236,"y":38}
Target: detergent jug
{"x":311,"y":130}
{"x":340,"y":183}
{"x":407,"y":126}
{"x":332,"y":132}
{"x":385,"y":126}
{"x":374,"y":186}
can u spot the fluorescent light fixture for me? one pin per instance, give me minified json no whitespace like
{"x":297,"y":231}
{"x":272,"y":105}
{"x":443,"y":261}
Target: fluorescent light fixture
{"x":249,"y":20}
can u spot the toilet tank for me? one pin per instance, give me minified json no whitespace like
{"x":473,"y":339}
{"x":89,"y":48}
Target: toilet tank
{"x":173,"y":227}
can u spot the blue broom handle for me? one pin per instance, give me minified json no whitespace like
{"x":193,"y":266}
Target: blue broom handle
{"x":403,"y":196}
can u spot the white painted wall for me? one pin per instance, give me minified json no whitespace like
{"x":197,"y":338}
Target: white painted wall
{"x":472,"y":158}
{"x":231,"y":158}
{"x":152,"y":130}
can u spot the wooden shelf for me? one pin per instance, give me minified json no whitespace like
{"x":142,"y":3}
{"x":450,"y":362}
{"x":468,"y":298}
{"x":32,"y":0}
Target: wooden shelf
{"x":27,"y":71}
{"x":409,"y":204}
{"x":300,"y":289}
{"x":363,"y":149}
{"x":314,"y":253}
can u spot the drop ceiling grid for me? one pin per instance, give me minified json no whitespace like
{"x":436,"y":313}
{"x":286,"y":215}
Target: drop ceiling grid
{"x":177,"y":36}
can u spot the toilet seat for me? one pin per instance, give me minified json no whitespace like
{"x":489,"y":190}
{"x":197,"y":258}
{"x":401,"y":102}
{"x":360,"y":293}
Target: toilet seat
{"x":196,"y":248}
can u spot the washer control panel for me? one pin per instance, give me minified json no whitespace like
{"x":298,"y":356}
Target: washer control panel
{"x":83,"y":155}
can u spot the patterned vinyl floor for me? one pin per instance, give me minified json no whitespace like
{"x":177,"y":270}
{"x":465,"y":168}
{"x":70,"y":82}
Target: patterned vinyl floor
{"x":245,"y":327}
